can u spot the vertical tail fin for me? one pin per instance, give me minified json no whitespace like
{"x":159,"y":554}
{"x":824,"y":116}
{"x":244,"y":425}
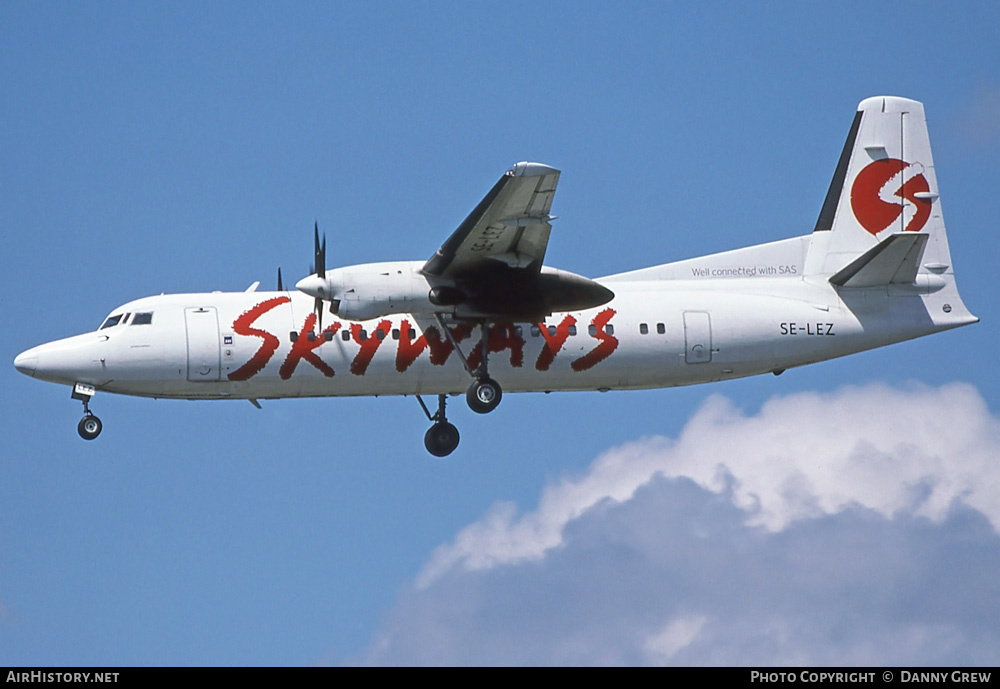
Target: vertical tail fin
{"x":881,"y":226}
{"x":884,"y":185}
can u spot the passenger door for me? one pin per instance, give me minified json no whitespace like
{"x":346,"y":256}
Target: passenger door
{"x":203,"y":352}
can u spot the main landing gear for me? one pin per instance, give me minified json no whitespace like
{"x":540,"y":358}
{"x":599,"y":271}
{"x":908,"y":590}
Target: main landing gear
{"x":441,"y":439}
{"x":484,"y":394}
{"x":90,"y":426}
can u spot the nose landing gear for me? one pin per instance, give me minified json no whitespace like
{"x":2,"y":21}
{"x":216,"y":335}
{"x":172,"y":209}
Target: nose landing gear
{"x":90,"y":426}
{"x":442,"y":438}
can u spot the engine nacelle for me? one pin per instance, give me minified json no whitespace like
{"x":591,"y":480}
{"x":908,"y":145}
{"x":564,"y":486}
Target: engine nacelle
{"x":373,"y":290}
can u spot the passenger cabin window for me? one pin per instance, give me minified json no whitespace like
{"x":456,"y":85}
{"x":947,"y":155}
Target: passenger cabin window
{"x":143,"y":319}
{"x":661,"y":329}
{"x":572,"y":330}
{"x":643,"y":329}
{"x":112,"y":321}
{"x":409,"y":335}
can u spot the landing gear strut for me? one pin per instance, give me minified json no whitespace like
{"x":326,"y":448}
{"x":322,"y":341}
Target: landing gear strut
{"x":484,"y":394}
{"x":90,"y":426}
{"x":441,"y":439}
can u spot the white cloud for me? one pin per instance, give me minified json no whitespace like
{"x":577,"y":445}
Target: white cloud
{"x":859,"y":526}
{"x":677,"y":635}
{"x":800,"y":457}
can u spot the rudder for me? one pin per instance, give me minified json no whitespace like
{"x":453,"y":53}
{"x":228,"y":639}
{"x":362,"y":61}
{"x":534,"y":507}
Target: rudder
{"x":884,"y":185}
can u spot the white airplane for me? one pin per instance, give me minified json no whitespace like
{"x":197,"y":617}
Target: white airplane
{"x":875,"y":270}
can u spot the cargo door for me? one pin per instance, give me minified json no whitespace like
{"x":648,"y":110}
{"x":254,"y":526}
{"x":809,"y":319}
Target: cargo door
{"x":697,"y":337}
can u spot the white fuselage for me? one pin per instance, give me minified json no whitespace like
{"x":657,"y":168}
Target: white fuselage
{"x":654,"y":333}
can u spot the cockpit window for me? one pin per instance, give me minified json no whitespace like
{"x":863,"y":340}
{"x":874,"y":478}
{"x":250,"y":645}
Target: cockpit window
{"x":142,"y":318}
{"x":112,"y":321}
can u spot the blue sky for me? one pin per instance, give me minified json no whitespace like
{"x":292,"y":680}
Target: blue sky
{"x":189,"y":147}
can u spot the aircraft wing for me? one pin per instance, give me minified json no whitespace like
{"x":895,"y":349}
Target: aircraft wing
{"x":510,"y":227}
{"x":491,"y":266}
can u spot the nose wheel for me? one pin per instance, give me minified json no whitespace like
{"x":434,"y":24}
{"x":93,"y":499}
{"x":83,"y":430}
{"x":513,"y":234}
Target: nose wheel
{"x":90,"y":426}
{"x":441,"y":439}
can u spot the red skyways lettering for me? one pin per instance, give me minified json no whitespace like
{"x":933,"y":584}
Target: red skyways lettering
{"x":268,"y":347}
{"x":502,"y":336}
{"x":408,"y":350}
{"x":368,"y":345}
{"x":553,"y":343}
{"x":302,"y":348}
{"x":609,"y":343}
{"x":440,"y":345}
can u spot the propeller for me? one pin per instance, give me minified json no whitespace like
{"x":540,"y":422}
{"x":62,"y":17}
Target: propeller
{"x":315,"y":284}
{"x":281,"y":286}
{"x":320,"y":262}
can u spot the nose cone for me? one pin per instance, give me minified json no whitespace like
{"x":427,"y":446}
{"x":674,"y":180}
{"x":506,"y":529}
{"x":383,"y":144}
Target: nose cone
{"x":74,"y":359}
{"x":27,"y":362}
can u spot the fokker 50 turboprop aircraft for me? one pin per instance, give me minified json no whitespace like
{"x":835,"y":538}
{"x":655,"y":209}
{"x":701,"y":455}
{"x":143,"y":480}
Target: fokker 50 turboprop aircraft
{"x":484,"y":314}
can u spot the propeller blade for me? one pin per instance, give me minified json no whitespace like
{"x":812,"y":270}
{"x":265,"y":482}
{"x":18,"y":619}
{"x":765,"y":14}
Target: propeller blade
{"x":281,"y":287}
{"x":320,"y":252}
{"x":316,"y":245}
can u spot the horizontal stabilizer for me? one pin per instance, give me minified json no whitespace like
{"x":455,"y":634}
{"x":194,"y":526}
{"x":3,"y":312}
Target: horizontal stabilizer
{"x":893,"y":261}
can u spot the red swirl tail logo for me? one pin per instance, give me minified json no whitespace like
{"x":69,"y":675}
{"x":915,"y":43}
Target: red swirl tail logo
{"x":887,"y":189}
